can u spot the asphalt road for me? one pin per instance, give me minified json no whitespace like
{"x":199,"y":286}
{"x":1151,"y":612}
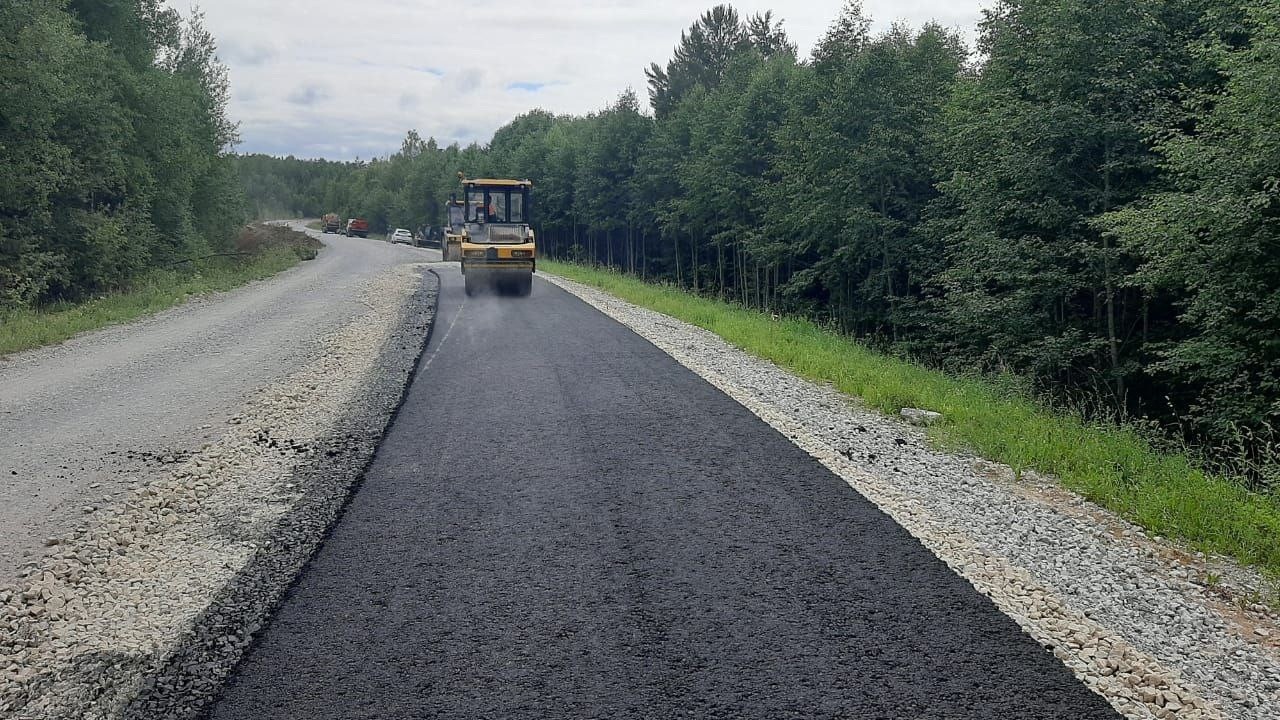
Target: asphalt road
{"x":564,"y":522}
{"x":78,"y":421}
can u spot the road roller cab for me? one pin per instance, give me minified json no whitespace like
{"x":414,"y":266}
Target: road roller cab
{"x":498,"y":246}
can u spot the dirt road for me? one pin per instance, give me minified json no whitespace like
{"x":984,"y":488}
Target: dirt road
{"x":82,"y":420}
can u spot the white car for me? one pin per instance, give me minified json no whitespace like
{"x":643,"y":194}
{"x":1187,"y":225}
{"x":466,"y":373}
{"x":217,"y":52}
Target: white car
{"x":401,"y":236}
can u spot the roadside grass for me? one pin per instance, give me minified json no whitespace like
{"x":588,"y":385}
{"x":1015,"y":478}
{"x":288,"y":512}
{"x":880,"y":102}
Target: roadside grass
{"x":268,"y":254}
{"x":1113,"y":466}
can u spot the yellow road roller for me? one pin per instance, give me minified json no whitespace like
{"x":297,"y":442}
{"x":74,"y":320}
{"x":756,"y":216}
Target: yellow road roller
{"x":498,"y":248}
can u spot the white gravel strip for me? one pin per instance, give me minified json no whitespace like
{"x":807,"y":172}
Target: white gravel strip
{"x":143,"y":613}
{"x":1121,"y":610}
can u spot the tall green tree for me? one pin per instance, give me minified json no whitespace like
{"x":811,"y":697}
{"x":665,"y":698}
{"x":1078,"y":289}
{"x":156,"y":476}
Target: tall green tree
{"x":858,"y":167}
{"x":701,"y":59}
{"x":1212,"y":242}
{"x":113,"y":144}
{"x":1054,"y":132}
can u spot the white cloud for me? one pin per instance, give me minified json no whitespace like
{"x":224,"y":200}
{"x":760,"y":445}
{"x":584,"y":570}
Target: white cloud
{"x":337,"y":79}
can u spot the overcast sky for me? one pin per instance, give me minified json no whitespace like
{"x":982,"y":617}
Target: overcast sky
{"x":342,"y":79}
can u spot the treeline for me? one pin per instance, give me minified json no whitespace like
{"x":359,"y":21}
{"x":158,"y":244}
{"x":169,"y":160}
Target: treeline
{"x":1089,"y":200}
{"x":405,"y":189}
{"x":113,"y":140}
{"x":288,"y":187}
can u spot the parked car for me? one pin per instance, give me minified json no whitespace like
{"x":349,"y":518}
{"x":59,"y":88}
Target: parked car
{"x":401,"y":236}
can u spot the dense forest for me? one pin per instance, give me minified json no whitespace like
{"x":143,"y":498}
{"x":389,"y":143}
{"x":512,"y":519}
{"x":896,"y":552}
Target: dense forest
{"x":1088,"y":200}
{"x":114,"y":145}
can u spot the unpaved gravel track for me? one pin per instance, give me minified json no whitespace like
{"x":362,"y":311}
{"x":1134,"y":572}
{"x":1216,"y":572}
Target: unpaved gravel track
{"x":140,"y":611}
{"x":81,"y":421}
{"x":565,"y":522}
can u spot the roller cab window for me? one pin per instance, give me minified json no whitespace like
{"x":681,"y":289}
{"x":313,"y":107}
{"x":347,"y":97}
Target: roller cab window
{"x":495,"y":205}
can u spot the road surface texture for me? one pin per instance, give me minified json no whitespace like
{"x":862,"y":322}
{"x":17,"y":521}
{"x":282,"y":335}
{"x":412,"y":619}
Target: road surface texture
{"x":82,"y":419}
{"x":564,"y":522}
{"x":144,"y":609}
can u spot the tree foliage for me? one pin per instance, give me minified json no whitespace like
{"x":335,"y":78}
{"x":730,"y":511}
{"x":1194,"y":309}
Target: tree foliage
{"x":1210,"y":242}
{"x":113,"y":145}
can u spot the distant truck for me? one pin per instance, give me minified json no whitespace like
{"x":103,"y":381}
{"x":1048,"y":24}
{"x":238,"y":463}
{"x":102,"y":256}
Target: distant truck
{"x":357,"y":227}
{"x":331,"y":223}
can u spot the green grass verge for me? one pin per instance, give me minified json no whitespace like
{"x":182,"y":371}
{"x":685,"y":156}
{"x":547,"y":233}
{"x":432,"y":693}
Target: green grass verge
{"x":159,"y":290}
{"x":1112,"y":466}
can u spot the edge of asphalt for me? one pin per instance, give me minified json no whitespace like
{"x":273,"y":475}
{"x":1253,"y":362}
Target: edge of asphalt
{"x":192,"y":678}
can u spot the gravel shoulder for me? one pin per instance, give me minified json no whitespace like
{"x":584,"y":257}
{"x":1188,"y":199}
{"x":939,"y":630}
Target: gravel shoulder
{"x":213,"y":493}
{"x":1134,"y":618}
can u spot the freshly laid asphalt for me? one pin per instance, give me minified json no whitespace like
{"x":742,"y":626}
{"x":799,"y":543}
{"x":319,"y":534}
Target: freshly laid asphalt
{"x":563,"y":522}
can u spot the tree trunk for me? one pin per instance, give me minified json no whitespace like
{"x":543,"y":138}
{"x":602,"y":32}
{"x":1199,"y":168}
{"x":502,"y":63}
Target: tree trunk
{"x":693,"y":260}
{"x":644,"y":256}
{"x":1113,"y":340}
{"x":888,"y":261}
{"x":675,"y":239}
{"x":720,"y":268}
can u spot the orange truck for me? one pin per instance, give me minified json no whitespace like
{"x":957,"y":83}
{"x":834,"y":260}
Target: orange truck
{"x":331,"y":223}
{"x":357,"y":227}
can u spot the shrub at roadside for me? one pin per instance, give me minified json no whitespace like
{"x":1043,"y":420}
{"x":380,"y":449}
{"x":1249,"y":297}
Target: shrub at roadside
{"x":259,"y":238}
{"x":260,"y":252}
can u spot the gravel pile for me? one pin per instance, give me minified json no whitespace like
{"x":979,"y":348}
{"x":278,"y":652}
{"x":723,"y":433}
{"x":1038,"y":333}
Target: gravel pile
{"x":144,"y":612}
{"x":1123,"y":611}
